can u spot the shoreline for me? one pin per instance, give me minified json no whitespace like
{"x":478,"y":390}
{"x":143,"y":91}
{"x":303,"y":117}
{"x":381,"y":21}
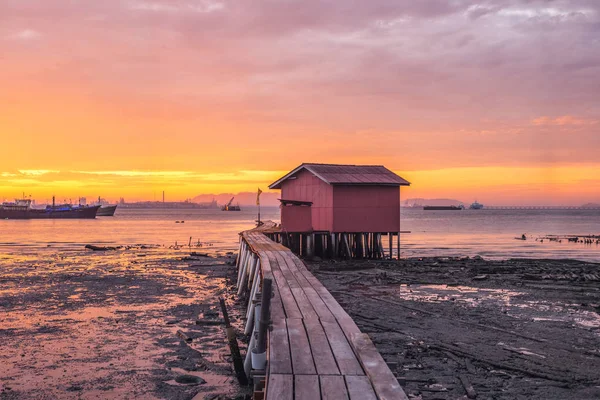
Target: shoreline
{"x":85,"y":324}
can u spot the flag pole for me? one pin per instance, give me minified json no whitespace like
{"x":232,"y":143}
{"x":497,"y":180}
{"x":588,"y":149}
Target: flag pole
{"x":258,"y":223}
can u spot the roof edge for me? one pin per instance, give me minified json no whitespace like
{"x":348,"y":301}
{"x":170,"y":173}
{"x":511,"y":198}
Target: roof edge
{"x":306,"y":166}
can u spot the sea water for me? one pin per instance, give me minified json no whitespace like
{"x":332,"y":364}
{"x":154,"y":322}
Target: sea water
{"x":487,"y":233}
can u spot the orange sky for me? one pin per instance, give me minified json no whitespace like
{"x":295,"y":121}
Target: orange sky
{"x":495,"y":102}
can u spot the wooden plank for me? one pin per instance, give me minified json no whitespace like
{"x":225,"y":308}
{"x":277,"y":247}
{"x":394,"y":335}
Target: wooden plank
{"x":383,"y":380}
{"x":289,"y":303}
{"x":315,"y":300}
{"x":280,"y":359}
{"x":307,"y":387}
{"x":319,"y":345}
{"x":277,"y":311}
{"x":302,"y":300}
{"x":346,"y":360}
{"x":333,"y":387}
{"x":359,"y":388}
{"x":302,"y":357}
{"x":304,"y":305}
{"x":324,"y":294}
{"x":280,"y":387}
{"x":287,"y":298}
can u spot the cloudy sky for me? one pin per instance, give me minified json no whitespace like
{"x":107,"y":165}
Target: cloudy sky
{"x":495,"y":100}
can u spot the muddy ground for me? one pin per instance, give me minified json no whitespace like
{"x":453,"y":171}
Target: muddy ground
{"x":518,"y":329}
{"x":119,"y":324}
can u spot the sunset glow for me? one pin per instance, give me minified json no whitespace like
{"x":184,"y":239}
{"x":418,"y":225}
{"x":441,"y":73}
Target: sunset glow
{"x":495,"y":100}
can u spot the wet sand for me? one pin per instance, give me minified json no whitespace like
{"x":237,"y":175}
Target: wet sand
{"x":518,"y":329}
{"x":93,"y":325}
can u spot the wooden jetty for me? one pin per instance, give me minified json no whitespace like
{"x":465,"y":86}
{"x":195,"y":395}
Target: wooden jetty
{"x":314,"y":348}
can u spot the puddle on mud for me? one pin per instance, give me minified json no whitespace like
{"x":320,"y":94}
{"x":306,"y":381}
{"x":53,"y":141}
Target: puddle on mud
{"x":461,"y":294}
{"x":511,"y":302}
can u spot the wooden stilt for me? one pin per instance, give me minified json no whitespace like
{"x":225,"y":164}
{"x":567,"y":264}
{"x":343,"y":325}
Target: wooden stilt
{"x":347,"y":245}
{"x":252,"y":305}
{"x":398,"y":246}
{"x":241,"y":263}
{"x":249,"y":266}
{"x":310,"y":245}
{"x":248,"y":359}
{"x":239,"y":254}
{"x":333,"y":244}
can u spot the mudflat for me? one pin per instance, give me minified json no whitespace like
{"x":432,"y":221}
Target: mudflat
{"x":455,"y":328}
{"x":135,"y":322}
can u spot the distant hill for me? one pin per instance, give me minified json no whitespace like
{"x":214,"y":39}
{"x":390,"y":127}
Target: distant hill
{"x":431,"y":202}
{"x":591,"y":205}
{"x":244,"y":198}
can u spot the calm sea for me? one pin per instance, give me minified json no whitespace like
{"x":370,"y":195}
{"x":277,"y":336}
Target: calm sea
{"x":488,"y":233}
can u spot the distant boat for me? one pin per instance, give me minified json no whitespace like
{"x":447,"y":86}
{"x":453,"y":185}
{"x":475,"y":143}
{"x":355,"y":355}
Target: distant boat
{"x":443,"y":208}
{"x":106,"y":211}
{"x":476,"y":206}
{"x":230,"y":207}
{"x":21,"y":209}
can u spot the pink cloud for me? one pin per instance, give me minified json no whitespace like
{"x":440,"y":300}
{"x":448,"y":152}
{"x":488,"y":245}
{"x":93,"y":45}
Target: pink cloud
{"x":565,"y":120}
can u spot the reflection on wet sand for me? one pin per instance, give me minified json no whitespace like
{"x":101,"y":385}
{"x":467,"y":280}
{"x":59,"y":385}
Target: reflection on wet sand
{"x":87,"y":325}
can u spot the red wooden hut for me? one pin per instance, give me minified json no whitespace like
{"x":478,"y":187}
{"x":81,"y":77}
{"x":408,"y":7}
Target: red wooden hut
{"x":347,"y":205}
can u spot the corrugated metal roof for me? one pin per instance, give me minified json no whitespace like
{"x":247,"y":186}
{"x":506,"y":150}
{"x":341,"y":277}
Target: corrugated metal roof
{"x":337,"y":174}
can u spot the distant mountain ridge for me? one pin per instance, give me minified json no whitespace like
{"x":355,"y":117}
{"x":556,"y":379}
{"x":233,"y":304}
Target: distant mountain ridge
{"x":591,"y":205}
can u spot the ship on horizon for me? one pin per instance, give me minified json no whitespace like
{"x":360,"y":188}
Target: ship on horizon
{"x":444,"y":208}
{"x":22,"y":209}
{"x":476,"y":206}
{"x":231,"y":207}
{"x":106,"y":209}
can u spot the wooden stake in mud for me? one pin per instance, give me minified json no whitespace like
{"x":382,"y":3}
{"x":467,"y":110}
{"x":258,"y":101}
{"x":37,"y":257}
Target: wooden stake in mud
{"x":238,"y":363}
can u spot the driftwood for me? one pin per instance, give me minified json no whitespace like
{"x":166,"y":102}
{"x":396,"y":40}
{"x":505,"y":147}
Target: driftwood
{"x":501,"y":365}
{"x":209,"y":322}
{"x":196,"y":254}
{"x":184,"y":337}
{"x":471,"y":393}
{"x":100,"y":248}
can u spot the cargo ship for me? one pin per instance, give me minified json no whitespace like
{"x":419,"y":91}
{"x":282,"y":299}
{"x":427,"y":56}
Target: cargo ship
{"x":443,"y":208}
{"x":21,"y":209}
{"x":476,"y":206}
{"x":106,"y":211}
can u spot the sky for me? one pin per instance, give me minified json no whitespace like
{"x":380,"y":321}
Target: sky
{"x":495,"y":100}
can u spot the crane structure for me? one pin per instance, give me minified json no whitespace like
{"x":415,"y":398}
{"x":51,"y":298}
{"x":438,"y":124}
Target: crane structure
{"x":229,"y":207}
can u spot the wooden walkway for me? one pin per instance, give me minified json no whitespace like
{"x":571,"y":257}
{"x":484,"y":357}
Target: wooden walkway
{"x":314,"y":349}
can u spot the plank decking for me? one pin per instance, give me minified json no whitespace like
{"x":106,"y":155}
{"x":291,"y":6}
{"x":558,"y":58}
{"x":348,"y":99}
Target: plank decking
{"x":315,"y":350}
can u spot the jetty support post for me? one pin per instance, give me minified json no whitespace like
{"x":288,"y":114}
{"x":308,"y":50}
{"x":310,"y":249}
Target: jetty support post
{"x":310,"y":245}
{"x":238,"y":363}
{"x":265,"y":316}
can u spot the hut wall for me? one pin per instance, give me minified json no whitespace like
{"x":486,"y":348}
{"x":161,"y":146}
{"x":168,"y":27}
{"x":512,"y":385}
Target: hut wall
{"x":366,"y":209}
{"x":307,"y":187}
{"x":296,"y":219}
